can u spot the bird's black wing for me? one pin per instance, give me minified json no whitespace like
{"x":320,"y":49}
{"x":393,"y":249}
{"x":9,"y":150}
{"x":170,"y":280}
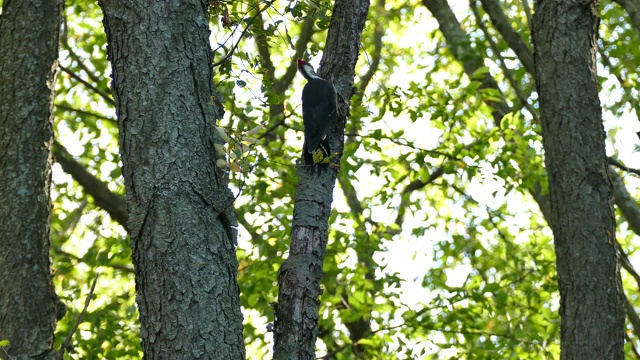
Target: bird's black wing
{"x":319,"y":109}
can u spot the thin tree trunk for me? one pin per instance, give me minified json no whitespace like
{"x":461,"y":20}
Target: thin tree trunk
{"x":181,"y":217}
{"x":29,"y":307}
{"x":296,"y":326}
{"x":592,"y":313}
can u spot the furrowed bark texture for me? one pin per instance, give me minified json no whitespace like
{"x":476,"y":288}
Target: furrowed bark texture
{"x":181,"y":218}
{"x":591,"y":310}
{"x":296,"y":325}
{"x":29,"y":33}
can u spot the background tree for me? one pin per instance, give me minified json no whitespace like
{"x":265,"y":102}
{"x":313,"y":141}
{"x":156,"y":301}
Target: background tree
{"x":29,"y":307}
{"x":581,"y":192}
{"x":439,"y":245}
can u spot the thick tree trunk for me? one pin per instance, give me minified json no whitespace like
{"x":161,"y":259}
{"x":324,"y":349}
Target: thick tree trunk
{"x":181,"y":217}
{"x":29,"y":33}
{"x":296,"y":326}
{"x":592,"y":313}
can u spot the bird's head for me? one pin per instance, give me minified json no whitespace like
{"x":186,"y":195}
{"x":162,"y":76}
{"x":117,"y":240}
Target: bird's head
{"x":307,"y":70}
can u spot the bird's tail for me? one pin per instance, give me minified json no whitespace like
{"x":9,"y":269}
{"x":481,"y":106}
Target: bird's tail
{"x":319,"y":159}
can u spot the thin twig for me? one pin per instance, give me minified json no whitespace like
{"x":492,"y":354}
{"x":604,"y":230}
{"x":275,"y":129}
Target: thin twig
{"x":633,"y":348}
{"x":6,"y":353}
{"x":84,"y":82}
{"x":67,"y":341}
{"x":626,"y":264}
{"x":632,"y":316}
{"x":527,"y":11}
{"x":79,"y":61}
{"x":502,"y":63}
{"x":85,"y":112}
{"x":378,"y":33}
{"x":334,"y":352}
{"x":124,"y":268}
{"x":235,"y":46}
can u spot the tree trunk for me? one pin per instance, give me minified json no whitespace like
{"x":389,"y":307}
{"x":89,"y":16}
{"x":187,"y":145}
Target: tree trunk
{"x":29,"y":33}
{"x":296,"y":326}
{"x":592,"y":313}
{"x":181,"y":217}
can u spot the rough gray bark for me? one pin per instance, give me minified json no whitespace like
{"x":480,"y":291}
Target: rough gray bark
{"x":592,"y":313}
{"x":296,"y":325}
{"x":180,"y":217}
{"x":29,"y":33}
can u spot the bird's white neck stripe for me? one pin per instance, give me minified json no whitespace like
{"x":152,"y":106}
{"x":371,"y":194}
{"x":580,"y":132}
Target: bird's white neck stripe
{"x":310,"y":74}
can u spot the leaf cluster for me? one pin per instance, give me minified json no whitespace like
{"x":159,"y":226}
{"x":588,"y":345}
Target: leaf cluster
{"x":437,"y":247}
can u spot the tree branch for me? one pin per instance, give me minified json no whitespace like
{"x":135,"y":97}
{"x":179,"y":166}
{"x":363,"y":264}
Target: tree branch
{"x":243,"y":33}
{"x":65,"y":344}
{"x":361,"y":326}
{"x":502,"y":23}
{"x":242,"y":220}
{"x":460,"y":46}
{"x":411,"y":187}
{"x":632,"y":345}
{"x":632,"y":7}
{"x":279,"y":86}
{"x":85,"y":112}
{"x":378,"y":32}
{"x":506,"y":71}
{"x":58,"y":250}
{"x":104,"y":95}
{"x":621,"y":166}
{"x":527,"y":12}
{"x":263,"y":47}
{"x":632,"y":315}
{"x":306,"y":32}
{"x":625,"y":202}
{"x":78,"y":60}
{"x":103,"y":197}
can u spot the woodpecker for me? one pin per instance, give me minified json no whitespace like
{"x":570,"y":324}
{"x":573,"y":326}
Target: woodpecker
{"x":319,"y":110}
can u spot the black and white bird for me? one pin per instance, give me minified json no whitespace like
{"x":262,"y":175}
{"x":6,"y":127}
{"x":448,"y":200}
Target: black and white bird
{"x":319,"y":110}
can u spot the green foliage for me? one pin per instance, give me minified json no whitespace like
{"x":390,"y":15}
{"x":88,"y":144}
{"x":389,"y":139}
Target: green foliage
{"x":436,"y":250}
{"x":84,"y":241}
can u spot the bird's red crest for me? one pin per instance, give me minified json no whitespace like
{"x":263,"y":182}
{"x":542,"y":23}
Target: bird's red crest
{"x":301,"y":63}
